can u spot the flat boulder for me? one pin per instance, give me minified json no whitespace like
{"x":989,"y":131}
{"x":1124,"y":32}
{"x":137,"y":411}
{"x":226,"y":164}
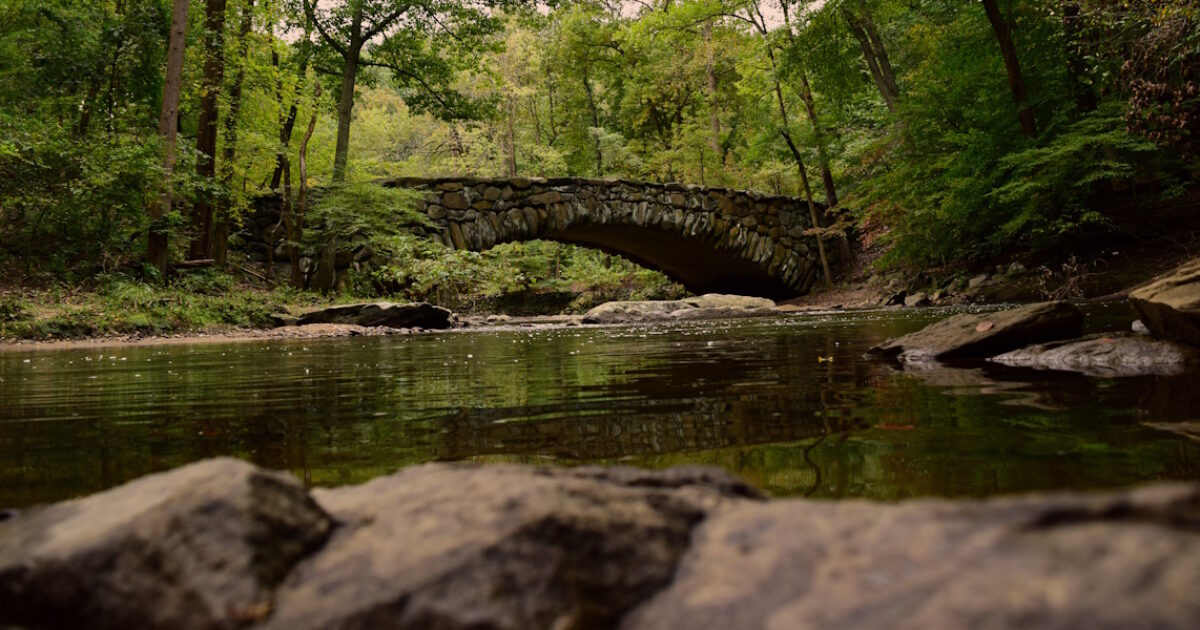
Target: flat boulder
{"x":708,"y":306}
{"x":983,"y":335}
{"x":202,"y":546}
{"x":1106,"y":355}
{"x":1170,"y":306}
{"x":387,"y":314}
{"x":445,"y":546}
{"x":1121,"y":560}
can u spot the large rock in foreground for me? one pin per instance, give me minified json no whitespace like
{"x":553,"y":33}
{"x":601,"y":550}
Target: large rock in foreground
{"x":709,"y":306}
{"x":1106,"y":355}
{"x":986,"y":334}
{"x":1170,"y":306}
{"x":388,"y":314}
{"x":202,"y":546}
{"x":222,"y":544}
{"x":1117,"y":561}
{"x":499,"y":547}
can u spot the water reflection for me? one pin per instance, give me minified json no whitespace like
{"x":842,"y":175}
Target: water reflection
{"x":788,"y":404}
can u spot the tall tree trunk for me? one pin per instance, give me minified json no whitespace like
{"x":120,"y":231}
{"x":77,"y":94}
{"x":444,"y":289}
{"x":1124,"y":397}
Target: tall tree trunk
{"x":288,"y":123}
{"x":1016,"y":81}
{"x":862,"y":27}
{"x":1077,"y":66}
{"x":206,"y":136}
{"x":591,"y":99}
{"x":298,"y":280}
{"x":345,"y":112}
{"x":785,"y":127}
{"x":714,"y":112}
{"x":831,"y":197}
{"x":220,"y":238}
{"x":821,"y":137}
{"x":85,"y":112}
{"x":511,"y":139}
{"x":810,"y":108}
{"x":168,"y":130}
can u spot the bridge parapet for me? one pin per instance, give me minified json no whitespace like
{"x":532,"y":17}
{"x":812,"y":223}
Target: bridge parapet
{"x":710,"y":239}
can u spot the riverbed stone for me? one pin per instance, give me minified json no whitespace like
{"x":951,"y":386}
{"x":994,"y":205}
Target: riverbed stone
{"x":1170,"y":306}
{"x":1120,"y":560}
{"x":1107,"y":355}
{"x":440,"y":546}
{"x":202,"y":546}
{"x":389,"y":314}
{"x":222,"y":544}
{"x":709,"y":306}
{"x":984,"y":335}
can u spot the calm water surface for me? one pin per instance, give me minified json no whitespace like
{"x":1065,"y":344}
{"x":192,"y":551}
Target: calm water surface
{"x":789,"y":404}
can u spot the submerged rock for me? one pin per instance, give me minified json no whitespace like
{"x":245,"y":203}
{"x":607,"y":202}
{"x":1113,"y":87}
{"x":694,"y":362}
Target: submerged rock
{"x":1170,"y":306}
{"x":986,"y":334}
{"x":709,"y":306}
{"x":202,"y":546}
{"x":1124,"y":560}
{"x":222,"y":544}
{"x":1106,"y":355}
{"x":388,"y":314}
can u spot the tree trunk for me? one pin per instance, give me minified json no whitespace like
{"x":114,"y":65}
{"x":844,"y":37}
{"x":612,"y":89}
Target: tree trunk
{"x":831,"y":197}
{"x":714,"y":112}
{"x":1016,"y":82}
{"x":807,"y":189}
{"x":206,"y":136}
{"x":591,"y":99}
{"x":288,"y":123}
{"x":220,"y":237}
{"x":1077,"y":66}
{"x":511,"y":139}
{"x":302,"y":198}
{"x":346,"y":110}
{"x":863,"y":28}
{"x":168,"y":130}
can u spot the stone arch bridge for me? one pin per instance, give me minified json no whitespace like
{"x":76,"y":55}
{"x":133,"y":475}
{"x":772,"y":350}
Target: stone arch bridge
{"x":708,"y":239}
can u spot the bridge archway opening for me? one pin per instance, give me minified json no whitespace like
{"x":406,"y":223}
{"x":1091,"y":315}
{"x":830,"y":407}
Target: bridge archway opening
{"x":699,"y":267}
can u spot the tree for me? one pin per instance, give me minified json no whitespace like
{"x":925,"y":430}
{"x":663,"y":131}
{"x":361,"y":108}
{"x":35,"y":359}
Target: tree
{"x":206,"y":136}
{"x":220,"y":238}
{"x":168,"y":130}
{"x":1016,"y":81}
{"x":400,"y":33}
{"x":862,"y":26}
{"x":755,"y":16}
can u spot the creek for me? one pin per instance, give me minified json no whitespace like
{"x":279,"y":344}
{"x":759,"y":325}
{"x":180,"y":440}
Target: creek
{"x":789,"y":404}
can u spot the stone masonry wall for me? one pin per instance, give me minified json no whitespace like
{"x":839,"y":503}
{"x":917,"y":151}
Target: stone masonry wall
{"x":766,"y":231}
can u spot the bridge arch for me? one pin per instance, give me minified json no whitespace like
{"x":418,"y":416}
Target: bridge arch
{"x":708,"y":239}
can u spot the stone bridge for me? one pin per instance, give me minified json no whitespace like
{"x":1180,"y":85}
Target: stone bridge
{"x":708,"y":239}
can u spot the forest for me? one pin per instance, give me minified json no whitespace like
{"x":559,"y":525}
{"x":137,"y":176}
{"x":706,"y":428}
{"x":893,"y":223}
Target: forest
{"x":138,"y":137}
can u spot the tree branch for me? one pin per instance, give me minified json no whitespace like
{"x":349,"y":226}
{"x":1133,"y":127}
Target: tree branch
{"x":311,"y":13}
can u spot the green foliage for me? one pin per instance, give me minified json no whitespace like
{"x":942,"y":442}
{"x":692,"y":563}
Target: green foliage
{"x":659,"y":91}
{"x":1049,"y":190}
{"x":121,"y":305}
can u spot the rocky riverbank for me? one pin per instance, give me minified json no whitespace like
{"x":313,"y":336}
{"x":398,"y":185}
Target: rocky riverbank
{"x":1048,"y":335}
{"x":223,"y":544}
